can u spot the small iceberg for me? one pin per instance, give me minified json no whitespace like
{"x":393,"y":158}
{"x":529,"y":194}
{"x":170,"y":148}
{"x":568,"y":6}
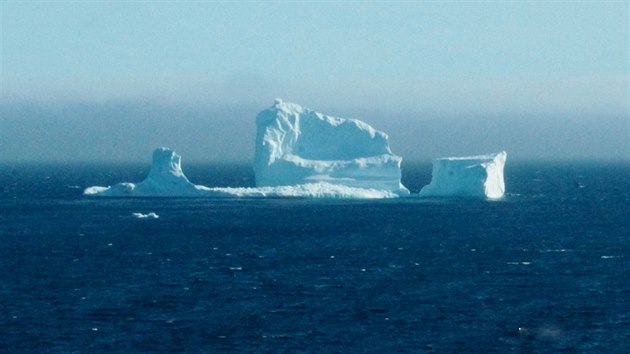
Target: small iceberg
{"x":474,"y":176}
{"x":166,"y":178}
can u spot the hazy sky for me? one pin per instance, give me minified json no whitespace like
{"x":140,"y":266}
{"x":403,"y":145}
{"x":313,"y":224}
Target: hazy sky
{"x":112,"y":80}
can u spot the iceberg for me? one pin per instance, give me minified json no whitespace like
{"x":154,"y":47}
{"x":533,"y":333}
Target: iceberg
{"x":166,"y":179}
{"x":474,"y":176}
{"x":303,"y":153}
{"x":295,"y":146}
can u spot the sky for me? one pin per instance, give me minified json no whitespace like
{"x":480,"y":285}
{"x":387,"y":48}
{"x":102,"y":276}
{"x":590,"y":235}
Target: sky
{"x":110,"y":81}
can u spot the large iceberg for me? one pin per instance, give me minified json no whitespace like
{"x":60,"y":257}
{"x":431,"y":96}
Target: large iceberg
{"x":303,"y":153}
{"x":166,"y":179}
{"x":474,"y":176}
{"x":295,"y":145}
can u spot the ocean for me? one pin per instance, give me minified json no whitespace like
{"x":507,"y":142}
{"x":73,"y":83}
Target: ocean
{"x":544,"y":270}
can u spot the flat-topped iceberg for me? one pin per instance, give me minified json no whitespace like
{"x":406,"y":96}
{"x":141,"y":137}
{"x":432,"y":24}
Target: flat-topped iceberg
{"x":295,"y":145}
{"x":166,"y":179}
{"x":474,"y":176}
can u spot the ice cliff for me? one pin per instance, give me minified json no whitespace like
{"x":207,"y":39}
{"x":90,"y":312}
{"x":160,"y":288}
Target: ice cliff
{"x":295,"y":145}
{"x":475,"y":176}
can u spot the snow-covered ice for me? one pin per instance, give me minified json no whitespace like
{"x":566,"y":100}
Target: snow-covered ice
{"x":474,"y":176}
{"x":166,"y":179}
{"x":295,"y":145}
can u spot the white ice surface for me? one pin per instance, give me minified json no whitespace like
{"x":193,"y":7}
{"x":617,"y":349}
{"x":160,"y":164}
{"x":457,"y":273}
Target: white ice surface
{"x":166,"y":179}
{"x":150,"y":215}
{"x":295,"y":146}
{"x":474,"y":176}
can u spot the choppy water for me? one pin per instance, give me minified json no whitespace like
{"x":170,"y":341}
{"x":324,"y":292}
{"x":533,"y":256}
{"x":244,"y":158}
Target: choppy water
{"x":544,"y":270}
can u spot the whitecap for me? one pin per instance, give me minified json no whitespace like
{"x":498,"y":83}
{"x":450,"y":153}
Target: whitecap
{"x":513,"y":194}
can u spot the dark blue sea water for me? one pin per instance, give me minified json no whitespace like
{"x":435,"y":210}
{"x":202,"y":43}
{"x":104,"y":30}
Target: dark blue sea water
{"x":544,"y":270}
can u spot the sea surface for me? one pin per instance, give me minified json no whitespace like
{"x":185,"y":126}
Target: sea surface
{"x":545,"y":270}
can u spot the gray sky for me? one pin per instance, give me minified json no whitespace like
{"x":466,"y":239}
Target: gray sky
{"x":103,"y":81}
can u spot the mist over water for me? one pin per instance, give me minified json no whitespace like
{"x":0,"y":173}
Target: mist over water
{"x":101,"y":81}
{"x":129,"y":131}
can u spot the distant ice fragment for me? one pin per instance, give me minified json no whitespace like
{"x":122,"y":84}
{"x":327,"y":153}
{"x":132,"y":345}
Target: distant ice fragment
{"x":295,"y":145}
{"x":150,"y":215}
{"x":95,"y":190}
{"x":475,"y":176}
